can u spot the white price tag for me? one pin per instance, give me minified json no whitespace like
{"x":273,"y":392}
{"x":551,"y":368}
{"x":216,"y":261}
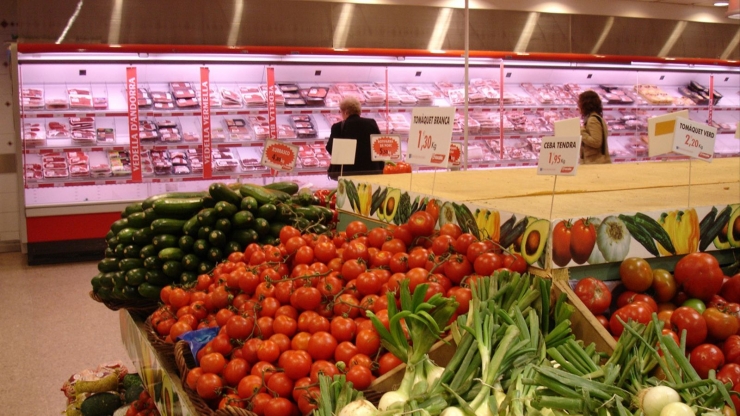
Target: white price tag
{"x":661,"y":130}
{"x":430,"y":136}
{"x":559,"y":156}
{"x":385,"y":147}
{"x":343,"y":151}
{"x":694,"y":139}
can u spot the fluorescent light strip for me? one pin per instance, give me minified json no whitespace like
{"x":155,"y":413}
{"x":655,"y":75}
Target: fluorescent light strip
{"x":342,"y":30}
{"x":114,"y":28}
{"x":527,"y":31}
{"x":70,"y":22}
{"x":677,"y":31}
{"x":436,"y":41}
{"x":604,"y":33}
{"x":236,"y":23}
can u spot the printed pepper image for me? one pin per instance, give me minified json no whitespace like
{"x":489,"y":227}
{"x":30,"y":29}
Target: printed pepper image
{"x":365,"y":193}
{"x":683,"y":229}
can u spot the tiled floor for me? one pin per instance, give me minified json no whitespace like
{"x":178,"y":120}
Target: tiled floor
{"x":49,"y":330}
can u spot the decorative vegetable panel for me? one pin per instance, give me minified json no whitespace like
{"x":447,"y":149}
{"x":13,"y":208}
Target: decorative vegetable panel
{"x":612,"y":238}
{"x":515,"y":232}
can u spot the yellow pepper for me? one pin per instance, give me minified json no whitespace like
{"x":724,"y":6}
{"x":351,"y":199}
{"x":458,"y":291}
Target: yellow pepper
{"x":365,"y":194}
{"x":683,"y":229}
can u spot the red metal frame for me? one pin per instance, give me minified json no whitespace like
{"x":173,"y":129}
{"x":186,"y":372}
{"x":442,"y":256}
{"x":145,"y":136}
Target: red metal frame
{"x":69,"y":227}
{"x":285,"y":50}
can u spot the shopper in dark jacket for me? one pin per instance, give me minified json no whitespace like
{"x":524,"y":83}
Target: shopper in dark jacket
{"x":594,"y":133}
{"x":359,"y":128}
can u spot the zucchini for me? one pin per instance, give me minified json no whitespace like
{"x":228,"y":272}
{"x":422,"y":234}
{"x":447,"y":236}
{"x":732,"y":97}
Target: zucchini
{"x":135,"y":277}
{"x":105,"y":293}
{"x":186,"y":243}
{"x":223,"y":225}
{"x":208,"y":202}
{"x":244,"y":237}
{"x":167,"y":226}
{"x":110,"y":234}
{"x":153,"y":263}
{"x":132,"y":251}
{"x":149,"y":291}
{"x":119,"y":279}
{"x":190,"y":262}
{"x":221,"y":192}
{"x":267,"y":211}
{"x":108,"y":265}
{"x":164,"y":240}
{"x":242,"y":220}
{"x":261,"y":226}
{"x":130,"y":292}
{"x":191,"y":226}
{"x":109,"y":252}
{"x":143,"y":236}
{"x":200,"y":247}
{"x":148,"y":250}
{"x":171,"y":253}
{"x":262,"y":195}
{"x":106,"y":280}
{"x":100,"y":404}
{"x":95,"y":282}
{"x":138,"y":220}
{"x":119,"y":225}
{"x":157,"y":278}
{"x":232,"y":247}
{"x":205,"y":266}
{"x":225,"y":209}
{"x":207,"y":217}
{"x":276,"y":227}
{"x":288,"y":187}
{"x":217,"y":238}
{"x":314,"y":213}
{"x":172,"y":268}
{"x":215,"y":254}
{"x":128,"y":264}
{"x":112,"y":242}
{"x":133,"y":208}
{"x":118,"y":251}
{"x":149,"y":202}
{"x":249,"y":204}
{"x":188,"y":277}
{"x":178,"y":207}
{"x":126,"y":236}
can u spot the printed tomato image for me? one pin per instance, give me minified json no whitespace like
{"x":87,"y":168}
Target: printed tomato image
{"x":561,"y":238}
{"x":582,"y":240}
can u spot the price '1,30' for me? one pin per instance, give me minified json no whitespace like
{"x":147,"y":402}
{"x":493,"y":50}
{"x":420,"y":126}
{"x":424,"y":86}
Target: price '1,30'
{"x":425,"y":142}
{"x":555,"y":159}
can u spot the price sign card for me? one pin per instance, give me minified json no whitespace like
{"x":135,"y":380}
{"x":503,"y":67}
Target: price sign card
{"x":559,"y":156}
{"x":660,"y":132}
{"x":694,"y":139}
{"x":279,"y":156}
{"x":455,"y":155}
{"x":385,"y":147}
{"x":568,"y":128}
{"x":430,"y":136}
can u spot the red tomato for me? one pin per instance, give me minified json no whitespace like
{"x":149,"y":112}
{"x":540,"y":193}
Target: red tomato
{"x":582,"y":241}
{"x":443,"y":244}
{"x":561,"y":237}
{"x":486,"y":263}
{"x":457,"y":267}
{"x":388,"y":362}
{"x":421,"y":223}
{"x":463,"y":296}
{"x":515,"y":262}
{"x":403,"y":233}
{"x":706,"y":357}
{"x":729,"y":373}
{"x":631,"y":297}
{"x":322,"y":367}
{"x":296,"y":364}
{"x":235,"y":370}
{"x":356,"y":229}
{"x":731,"y":289}
{"x":636,"y":274}
{"x":603,"y":321}
{"x":638,"y":312}
{"x":280,"y":406}
{"x":343,"y":328}
{"x":394,"y":246}
{"x":368,"y":342}
{"x":360,"y":376}
{"x":321,"y":346}
{"x":664,"y":285}
{"x":280,"y":384}
{"x":377,"y":236}
{"x":700,"y":275}
{"x":209,"y":386}
{"x":433,"y":209}
{"x":213,"y":363}
{"x":594,"y":294}
{"x":720,"y":325}
{"x":685,"y":318}
{"x":731,"y":349}
{"x":462,"y":243}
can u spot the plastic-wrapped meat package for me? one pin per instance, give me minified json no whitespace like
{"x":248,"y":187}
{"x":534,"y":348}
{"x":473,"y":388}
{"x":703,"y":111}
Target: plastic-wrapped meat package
{"x":357,"y":94}
{"x":309,"y":162}
{"x":279,"y":98}
{"x":252,"y":96}
{"x":231,"y":99}
{"x":77,"y":158}
{"x":57,"y":130}
{"x":422,"y":94}
{"x":445,"y":86}
{"x":225,"y":165}
{"x":56,"y":173}
{"x":32,"y":98}
{"x":182,"y":92}
{"x":285,"y":132}
{"x":33,"y":172}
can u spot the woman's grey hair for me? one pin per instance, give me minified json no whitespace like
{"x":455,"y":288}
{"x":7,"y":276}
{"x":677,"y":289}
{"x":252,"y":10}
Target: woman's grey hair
{"x":351,"y":105}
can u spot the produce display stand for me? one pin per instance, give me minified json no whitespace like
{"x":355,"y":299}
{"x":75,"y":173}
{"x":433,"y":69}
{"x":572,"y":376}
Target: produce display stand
{"x":157,"y":370}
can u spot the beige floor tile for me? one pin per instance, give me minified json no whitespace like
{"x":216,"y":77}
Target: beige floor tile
{"x":49,"y":330}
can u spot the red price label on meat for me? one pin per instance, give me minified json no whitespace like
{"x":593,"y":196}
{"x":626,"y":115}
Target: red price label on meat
{"x":279,"y":156}
{"x":559,"y":156}
{"x":455,"y":154}
{"x":430,"y":136}
{"x":385,"y":147}
{"x":694,"y":139}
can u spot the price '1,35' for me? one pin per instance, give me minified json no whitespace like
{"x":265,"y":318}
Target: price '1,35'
{"x":555,"y":159}
{"x":425,"y":142}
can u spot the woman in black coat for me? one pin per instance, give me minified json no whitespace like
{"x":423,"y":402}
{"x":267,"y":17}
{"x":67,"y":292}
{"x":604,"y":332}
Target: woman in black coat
{"x":359,"y":128}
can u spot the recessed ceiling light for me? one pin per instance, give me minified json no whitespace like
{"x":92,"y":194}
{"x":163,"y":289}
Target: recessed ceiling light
{"x":721,"y":3}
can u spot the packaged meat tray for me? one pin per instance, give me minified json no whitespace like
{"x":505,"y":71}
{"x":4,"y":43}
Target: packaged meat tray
{"x":34,"y":134}
{"x":295,"y":102}
{"x":653,"y":94}
{"x":187,"y":102}
{"x":56,"y":104}
{"x":56,"y":173}
{"x":32,"y":98}
{"x":285,"y":132}
{"x":77,"y":158}
{"x":161,"y":97}
{"x":225,"y":165}
{"x":79,"y":171}
{"x":288,"y":87}
{"x":57,"y":130}
{"x":279,"y":98}
{"x":100,"y":103}
{"x":317,"y":92}
{"x":183,"y":93}
{"x":230,"y":99}
{"x":80,"y":101}
{"x":313,"y":96}
{"x":180,"y":84}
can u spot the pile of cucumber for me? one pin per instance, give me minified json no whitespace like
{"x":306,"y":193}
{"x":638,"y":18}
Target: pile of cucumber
{"x":174,"y":237}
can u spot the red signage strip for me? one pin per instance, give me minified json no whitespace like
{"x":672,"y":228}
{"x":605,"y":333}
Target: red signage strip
{"x":205,"y":106}
{"x":271,"y":111}
{"x":132,"y":90}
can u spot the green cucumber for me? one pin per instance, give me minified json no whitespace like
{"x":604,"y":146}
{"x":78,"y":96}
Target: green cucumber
{"x":100,"y":404}
{"x":119,"y":225}
{"x":262,"y":195}
{"x":148,"y":250}
{"x":105,"y":293}
{"x":191,"y":226}
{"x":135,"y":277}
{"x":205,"y":266}
{"x":267,"y":211}
{"x":131,"y":251}
{"x":157,"y":278}
{"x":112,"y":242}
{"x":225,"y":209}
{"x":215,"y":254}
{"x":223,"y":225}
{"x":276,"y":227}
{"x":200,"y":247}
{"x":138,"y":220}
{"x":167,"y":226}
{"x":203,"y":232}
{"x":217,"y":238}
{"x":126,"y":236}
{"x":261,"y":226}
{"x":188,"y":277}
{"x":249,"y":204}
{"x":143,"y":236}
{"x":222,"y":192}
{"x":640,"y":234}
{"x":149,"y":202}
{"x":171,"y":253}
{"x":153,"y":263}
{"x":95,"y":282}
{"x":109,"y":252}
{"x":119,"y":279}
{"x":128,"y":264}
{"x":130,"y":292}
{"x":232,"y":247}
{"x":110,"y":234}
{"x":164,"y":240}
{"x":288,"y":187}
{"x":172,"y":268}
{"x":118,"y":251}
{"x":245,"y":237}
{"x":207,"y":217}
{"x":106,"y":280}
{"x":149,"y":291}
{"x":108,"y":265}
{"x":178,"y":208}
{"x":186,"y":243}
{"x":242,"y":220}
{"x":190,"y":262}
{"x":654,"y":229}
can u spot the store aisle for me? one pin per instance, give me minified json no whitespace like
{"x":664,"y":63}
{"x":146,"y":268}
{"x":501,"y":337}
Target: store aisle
{"x":49,"y":330}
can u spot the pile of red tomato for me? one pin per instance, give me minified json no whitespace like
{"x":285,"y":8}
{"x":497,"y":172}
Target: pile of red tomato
{"x":290,"y":312}
{"x":143,"y":406}
{"x":697,"y":298}
{"x":396,"y":167}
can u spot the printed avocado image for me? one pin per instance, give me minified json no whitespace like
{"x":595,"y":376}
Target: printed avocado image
{"x":389,"y":207}
{"x":446,"y":214}
{"x":534,"y":239}
{"x":733,"y":228}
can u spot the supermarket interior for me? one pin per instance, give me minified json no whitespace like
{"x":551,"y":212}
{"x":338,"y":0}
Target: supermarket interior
{"x":172,"y":244}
